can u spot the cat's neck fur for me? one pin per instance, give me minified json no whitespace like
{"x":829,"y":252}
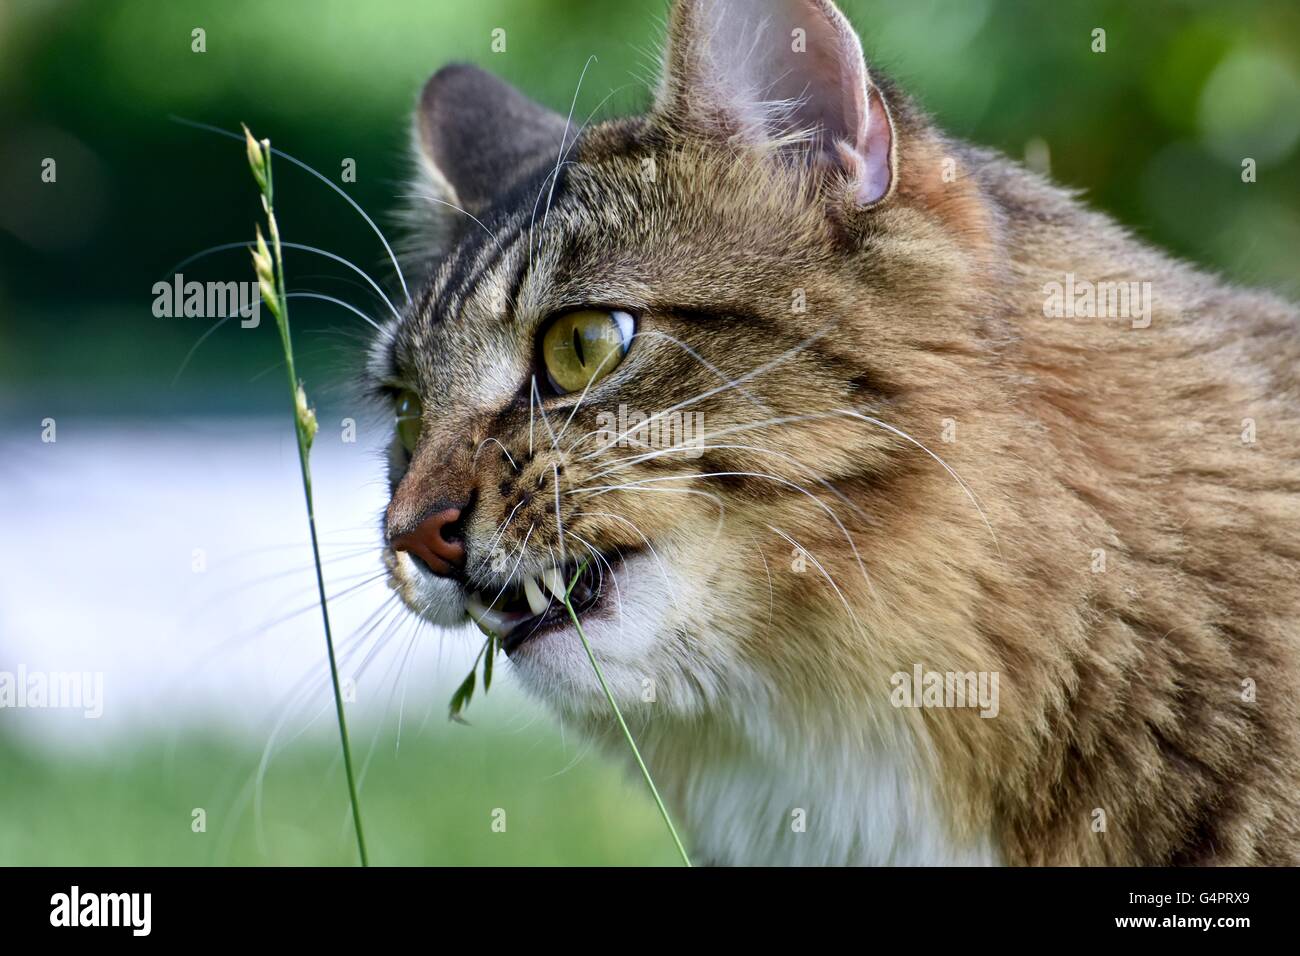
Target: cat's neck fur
{"x":772,"y":787}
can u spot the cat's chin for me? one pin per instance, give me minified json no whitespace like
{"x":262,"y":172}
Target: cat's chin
{"x":629,"y":627}
{"x":628,"y":613}
{"x":438,"y":600}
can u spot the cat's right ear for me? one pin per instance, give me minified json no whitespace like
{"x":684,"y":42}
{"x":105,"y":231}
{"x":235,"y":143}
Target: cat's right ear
{"x":786,"y":75}
{"x":477,"y":136}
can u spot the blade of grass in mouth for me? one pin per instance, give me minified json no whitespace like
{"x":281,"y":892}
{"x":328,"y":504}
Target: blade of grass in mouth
{"x":618,"y":714}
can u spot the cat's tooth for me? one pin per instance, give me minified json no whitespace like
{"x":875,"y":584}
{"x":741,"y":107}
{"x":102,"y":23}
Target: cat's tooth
{"x":488,"y":620}
{"x":554,"y":582}
{"x":537,"y":602}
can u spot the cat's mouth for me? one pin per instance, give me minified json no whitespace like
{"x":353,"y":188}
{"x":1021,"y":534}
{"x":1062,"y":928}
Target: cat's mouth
{"x":534,"y":604}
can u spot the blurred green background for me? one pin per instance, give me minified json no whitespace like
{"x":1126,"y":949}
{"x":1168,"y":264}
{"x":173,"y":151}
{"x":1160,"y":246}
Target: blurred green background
{"x":430,"y":803}
{"x":1153,"y":130}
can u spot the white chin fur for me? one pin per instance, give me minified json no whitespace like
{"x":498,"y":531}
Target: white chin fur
{"x":437,"y":600}
{"x":630,"y":636}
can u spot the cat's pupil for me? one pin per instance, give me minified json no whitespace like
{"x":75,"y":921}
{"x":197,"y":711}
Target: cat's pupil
{"x":577,"y":347}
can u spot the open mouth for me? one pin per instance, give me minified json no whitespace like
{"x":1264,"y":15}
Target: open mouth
{"x":534,"y":605}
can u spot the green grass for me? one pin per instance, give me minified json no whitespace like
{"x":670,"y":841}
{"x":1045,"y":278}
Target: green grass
{"x":269,"y":267}
{"x":431,"y":803}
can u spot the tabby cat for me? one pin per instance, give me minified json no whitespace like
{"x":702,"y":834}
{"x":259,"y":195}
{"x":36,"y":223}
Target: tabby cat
{"x":924,"y":472}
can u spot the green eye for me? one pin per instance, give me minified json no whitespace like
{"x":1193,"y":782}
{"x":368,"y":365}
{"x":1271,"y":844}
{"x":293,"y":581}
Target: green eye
{"x":582,"y":347}
{"x":408,"y":413}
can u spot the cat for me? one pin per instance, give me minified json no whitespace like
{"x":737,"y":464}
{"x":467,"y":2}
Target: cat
{"x":922,"y":471}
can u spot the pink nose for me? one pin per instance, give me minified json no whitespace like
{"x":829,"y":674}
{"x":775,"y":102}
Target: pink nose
{"x":429,"y":543}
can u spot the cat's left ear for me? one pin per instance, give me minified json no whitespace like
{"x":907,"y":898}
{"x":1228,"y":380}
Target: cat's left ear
{"x":478,"y":136}
{"x":789,"y":74}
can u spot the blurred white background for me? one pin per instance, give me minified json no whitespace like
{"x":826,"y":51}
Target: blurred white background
{"x":176,"y":561}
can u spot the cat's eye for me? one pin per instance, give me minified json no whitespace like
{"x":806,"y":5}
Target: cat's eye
{"x":582,"y":347}
{"x":408,"y":412}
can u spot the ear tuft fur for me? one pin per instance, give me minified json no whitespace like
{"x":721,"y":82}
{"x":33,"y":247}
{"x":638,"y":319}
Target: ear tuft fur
{"x":784,"y":75}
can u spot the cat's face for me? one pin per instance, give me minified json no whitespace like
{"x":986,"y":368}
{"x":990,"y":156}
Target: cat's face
{"x":644,"y":353}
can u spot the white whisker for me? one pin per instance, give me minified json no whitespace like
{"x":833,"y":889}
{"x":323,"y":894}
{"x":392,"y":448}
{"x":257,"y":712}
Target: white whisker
{"x":784,"y":356}
{"x":503,"y":448}
{"x":328,"y":182}
{"x":663,"y":570}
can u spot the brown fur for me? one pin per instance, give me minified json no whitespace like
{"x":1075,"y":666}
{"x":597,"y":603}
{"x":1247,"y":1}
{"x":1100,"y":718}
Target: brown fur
{"x":1122,"y":690}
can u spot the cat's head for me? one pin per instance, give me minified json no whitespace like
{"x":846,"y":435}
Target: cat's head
{"x":679,"y":348}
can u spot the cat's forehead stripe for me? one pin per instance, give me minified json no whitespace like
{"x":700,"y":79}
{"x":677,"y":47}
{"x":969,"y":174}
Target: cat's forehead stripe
{"x":519,"y":214}
{"x":470,"y":264}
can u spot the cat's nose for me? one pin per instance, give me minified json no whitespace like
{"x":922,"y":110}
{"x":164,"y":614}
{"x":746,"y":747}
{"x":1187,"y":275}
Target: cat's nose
{"x":434,"y":542}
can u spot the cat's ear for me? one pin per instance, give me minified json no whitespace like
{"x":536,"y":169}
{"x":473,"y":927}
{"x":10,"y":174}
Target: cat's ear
{"x":477,"y":136}
{"x":785,"y":73}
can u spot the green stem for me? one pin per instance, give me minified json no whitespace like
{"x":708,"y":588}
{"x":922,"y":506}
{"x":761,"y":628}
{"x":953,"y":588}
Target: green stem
{"x":304,"y":451}
{"x":600,"y":676}
{"x":329,"y":646}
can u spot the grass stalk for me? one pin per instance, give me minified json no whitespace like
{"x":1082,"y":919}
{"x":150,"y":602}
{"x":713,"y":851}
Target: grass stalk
{"x":627,"y":734}
{"x":269,"y":266}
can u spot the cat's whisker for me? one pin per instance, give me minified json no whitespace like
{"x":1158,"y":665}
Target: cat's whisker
{"x":559,"y":523}
{"x":545,"y":418}
{"x":829,"y":578}
{"x":403,"y":674}
{"x":339,"y":302}
{"x":310,"y":680}
{"x":753,"y":474}
{"x":554,"y":174}
{"x":523,"y":545}
{"x":487,"y":552}
{"x":503,"y":448}
{"x":342,"y":280}
{"x":734,"y":383}
{"x":407,"y":638}
{"x":595,"y":563}
{"x":767,"y":366}
{"x":195,"y":347}
{"x":559,"y":158}
{"x":549,"y":180}
{"x":397,"y":268}
{"x":851,"y":413}
{"x":415,"y":197}
{"x":615,"y":355}
{"x":771,"y":591}
{"x":663,"y":570}
{"x":552,"y":562}
{"x":385,"y":636}
{"x":581,"y":398}
{"x":603,"y":564}
{"x":606,"y":489}
{"x":325,"y":543}
{"x":586,"y":747}
{"x":236,"y":641}
{"x":532,"y":391}
{"x":370,"y":578}
{"x":715,"y":499}
{"x":628,"y":462}
{"x":744,"y":426}
{"x":300,"y":570}
{"x":302,"y":247}
{"x":946,"y":467}
{"x":391,"y":628}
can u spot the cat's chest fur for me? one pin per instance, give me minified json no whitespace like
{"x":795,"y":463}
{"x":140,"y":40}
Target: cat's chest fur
{"x":745,"y":801}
